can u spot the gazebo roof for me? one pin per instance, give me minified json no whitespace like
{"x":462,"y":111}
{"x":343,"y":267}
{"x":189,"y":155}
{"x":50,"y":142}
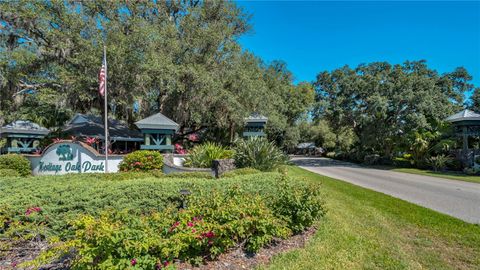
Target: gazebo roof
{"x":157,"y":121}
{"x":92,"y":126}
{"x":256,"y":118}
{"x":465,"y":115}
{"x":24,"y":127}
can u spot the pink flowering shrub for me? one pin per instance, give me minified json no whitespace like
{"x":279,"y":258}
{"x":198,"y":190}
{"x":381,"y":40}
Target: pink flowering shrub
{"x":179,"y":149}
{"x":194,"y":137}
{"x":91,"y":140}
{"x":142,"y":160}
{"x":29,"y":225}
{"x":33,"y":210}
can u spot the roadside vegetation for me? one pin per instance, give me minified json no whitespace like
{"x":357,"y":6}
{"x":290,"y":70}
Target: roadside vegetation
{"x":366,"y":229}
{"x":361,"y":228}
{"x":391,"y":114}
{"x":202,"y":156}
{"x":254,"y":153}
{"x":258,"y":153}
{"x":122,"y":220}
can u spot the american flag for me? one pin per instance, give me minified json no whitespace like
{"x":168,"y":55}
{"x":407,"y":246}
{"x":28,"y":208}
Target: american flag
{"x":101,"y":80}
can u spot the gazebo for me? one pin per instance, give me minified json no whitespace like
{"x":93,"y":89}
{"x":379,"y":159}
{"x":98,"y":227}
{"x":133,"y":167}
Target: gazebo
{"x":255,"y":125}
{"x":157,"y":130}
{"x":123,"y":139}
{"x":22,"y":137}
{"x":466,"y":124}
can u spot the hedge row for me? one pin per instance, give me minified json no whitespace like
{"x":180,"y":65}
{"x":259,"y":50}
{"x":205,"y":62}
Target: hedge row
{"x":14,"y":162}
{"x":137,"y":222}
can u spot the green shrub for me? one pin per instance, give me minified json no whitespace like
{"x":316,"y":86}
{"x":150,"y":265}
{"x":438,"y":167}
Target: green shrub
{"x":157,"y":174}
{"x":127,"y":175}
{"x":202,"y":156}
{"x":142,"y":160}
{"x":341,"y":155}
{"x":372,"y":159}
{"x":241,"y":171}
{"x":63,"y":197}
{"x":241,"y":217}
{"x":15,"y":162}
{"x":330,"y":154}
{"x":438,"y":162}
{"x":477,"y":159}
{"x":471,"y":171}
{"x":258,"y":153}
{"x":9,"y":173}
{"x":214,"y":223}
{"x":110,"y":223}
{"x":402,"y":162}
{"x":455,"y":165}
{"x":299,"y":205}
{"x":189,"y":175}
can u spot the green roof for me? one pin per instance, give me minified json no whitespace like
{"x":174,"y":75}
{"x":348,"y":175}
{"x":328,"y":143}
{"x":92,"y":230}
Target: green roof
{"x":157,"y":121}
{"x":465,"y":115}
{"x":24,"y":127}
{"x":256,"y":118}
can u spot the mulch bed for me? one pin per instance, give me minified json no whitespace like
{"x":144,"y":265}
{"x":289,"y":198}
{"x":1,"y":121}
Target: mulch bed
{"x":238,"y":260}
{"x":15,"y":253}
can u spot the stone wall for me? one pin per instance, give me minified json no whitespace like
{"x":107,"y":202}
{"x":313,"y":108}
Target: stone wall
{"x":221,"y":166}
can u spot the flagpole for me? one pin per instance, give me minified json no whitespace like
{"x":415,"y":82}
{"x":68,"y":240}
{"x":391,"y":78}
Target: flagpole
{"x":106,"y":108}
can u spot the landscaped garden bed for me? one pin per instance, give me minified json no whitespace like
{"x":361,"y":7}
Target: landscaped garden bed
{"x":138,"y":220}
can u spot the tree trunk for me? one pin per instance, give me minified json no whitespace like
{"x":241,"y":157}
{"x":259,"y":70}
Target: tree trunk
{"x":232,"y":132}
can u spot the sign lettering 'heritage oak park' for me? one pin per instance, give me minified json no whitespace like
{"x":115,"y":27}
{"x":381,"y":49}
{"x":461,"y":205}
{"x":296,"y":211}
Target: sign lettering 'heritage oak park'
{"x":71,"y":157}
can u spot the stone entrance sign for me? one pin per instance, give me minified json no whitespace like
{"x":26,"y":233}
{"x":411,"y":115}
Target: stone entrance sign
{"x":71,"y":157}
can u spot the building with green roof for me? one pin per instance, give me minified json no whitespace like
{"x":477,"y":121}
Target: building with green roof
{"x":255,"y":126}
{"x":22,"y":137}
{"x":157,"y":130}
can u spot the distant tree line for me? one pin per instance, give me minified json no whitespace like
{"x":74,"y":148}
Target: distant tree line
{"x":386,"y":109}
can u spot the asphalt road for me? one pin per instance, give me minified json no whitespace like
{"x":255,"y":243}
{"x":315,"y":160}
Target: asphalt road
{"x":455,"y":198}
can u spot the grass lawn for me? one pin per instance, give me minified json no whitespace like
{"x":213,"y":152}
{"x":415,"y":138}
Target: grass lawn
{"x":368,"y":230}
{"x":447,"y":175}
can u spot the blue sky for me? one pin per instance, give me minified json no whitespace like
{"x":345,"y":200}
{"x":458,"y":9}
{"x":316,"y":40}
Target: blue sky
{"x":316,"y":36}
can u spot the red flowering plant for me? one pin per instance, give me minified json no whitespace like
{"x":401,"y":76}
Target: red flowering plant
{"x":31,"y":210}
{"x":32,"y":224}
{"x":212,"y":224}
{"x":91,"y":140}
{"x":57,"y":140}
{"x":179,"y":149}
{"x":194,"y":137}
